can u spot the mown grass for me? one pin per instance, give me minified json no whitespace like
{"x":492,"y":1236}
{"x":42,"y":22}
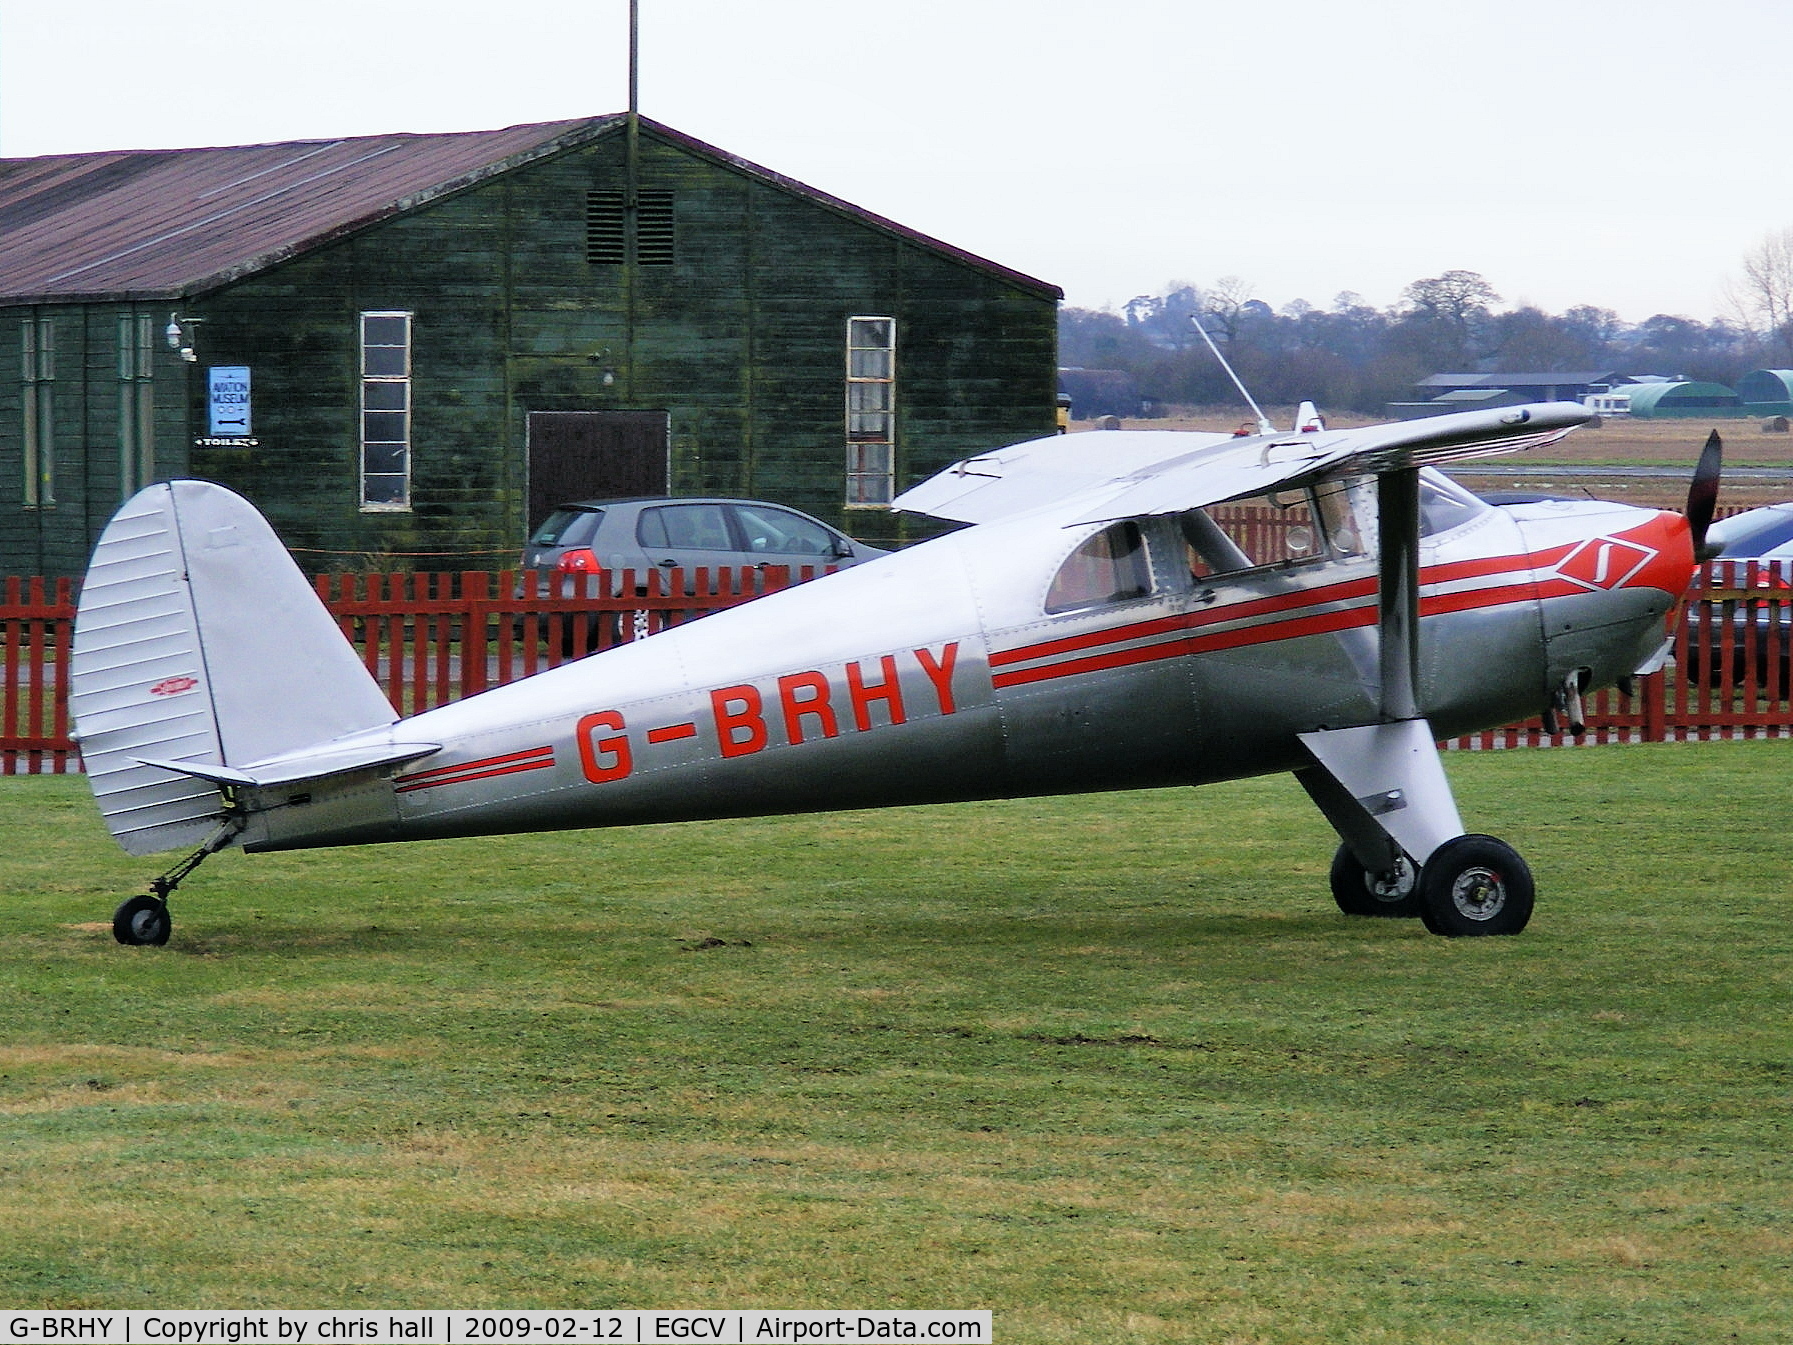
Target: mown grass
{"x":1112,"y":1067}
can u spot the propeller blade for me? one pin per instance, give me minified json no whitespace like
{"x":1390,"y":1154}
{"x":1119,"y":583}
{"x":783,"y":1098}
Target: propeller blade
{"x":1702,"y":495}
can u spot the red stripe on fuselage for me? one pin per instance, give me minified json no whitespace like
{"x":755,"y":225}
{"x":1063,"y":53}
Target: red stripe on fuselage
{"x":530,"y":759}
{"x":1290,"y":618}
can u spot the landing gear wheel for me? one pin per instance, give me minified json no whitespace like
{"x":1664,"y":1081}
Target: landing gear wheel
{"x":1360,"y":892}
{"x":1475,"y":885}
{"x":142,"y":921}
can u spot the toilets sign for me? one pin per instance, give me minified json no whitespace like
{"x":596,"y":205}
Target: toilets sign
{"x":229,"y":386}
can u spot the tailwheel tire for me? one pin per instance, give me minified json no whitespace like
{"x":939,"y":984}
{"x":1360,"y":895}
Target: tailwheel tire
{"x":1357,"y":891}
{"x":142,"y":922}
{"x":1475,"y":885}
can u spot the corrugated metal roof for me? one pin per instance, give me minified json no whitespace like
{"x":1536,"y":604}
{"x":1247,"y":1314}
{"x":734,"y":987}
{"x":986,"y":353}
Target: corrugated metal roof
{"x":1519,"y":380}
{"x":151,"y":224}
{"x":160,"y":224}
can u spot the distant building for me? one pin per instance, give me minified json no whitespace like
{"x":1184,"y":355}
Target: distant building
{"x":418,"y":343}
{"x":1663,"y":400}
{"x":1767,"y":392}
{"x":1468,"y":391}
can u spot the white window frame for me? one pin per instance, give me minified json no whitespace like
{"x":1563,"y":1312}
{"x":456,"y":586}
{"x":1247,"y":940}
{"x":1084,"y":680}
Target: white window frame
{"x":387,"y":387}
{"x":871,"y":413}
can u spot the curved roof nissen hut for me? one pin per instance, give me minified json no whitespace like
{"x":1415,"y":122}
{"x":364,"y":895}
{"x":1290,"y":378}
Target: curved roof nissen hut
{"x":1662,"y":400}
{"x":1767,"y":392}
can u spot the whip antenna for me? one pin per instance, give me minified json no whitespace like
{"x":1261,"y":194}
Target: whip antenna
{"x":1264,"y":426}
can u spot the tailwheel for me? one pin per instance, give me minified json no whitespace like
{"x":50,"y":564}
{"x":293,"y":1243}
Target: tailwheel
{"x":1360,"y":892}
{"x":1475,"y":885}
{"x":142,"y":921}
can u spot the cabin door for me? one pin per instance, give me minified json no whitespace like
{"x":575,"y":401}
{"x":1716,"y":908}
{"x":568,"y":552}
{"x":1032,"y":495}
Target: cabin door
{"x":587,"y":455}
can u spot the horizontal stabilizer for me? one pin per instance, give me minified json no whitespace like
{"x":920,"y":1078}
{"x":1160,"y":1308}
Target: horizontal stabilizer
{"x":300,"y":766}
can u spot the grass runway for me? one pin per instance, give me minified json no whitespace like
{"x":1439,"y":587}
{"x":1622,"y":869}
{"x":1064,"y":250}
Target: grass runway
{"x":1111,"y":1066}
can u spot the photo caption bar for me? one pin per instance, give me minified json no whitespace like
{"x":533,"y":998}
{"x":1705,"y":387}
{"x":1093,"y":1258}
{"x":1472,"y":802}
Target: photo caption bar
{"x":441,"y":1327}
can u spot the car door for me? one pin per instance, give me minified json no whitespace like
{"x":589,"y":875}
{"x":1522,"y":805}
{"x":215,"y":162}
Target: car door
{"x":770,"y":535}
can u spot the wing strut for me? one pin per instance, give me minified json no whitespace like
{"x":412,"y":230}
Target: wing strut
{"x":1382,"y":785}
{"x":1397,"y":530}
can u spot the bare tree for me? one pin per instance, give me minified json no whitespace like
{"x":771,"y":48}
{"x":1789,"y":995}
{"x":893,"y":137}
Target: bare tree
{"x":1767,"y":289}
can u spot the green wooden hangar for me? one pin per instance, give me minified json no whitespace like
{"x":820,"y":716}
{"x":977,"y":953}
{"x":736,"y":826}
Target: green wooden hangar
{"x":405,"y":349}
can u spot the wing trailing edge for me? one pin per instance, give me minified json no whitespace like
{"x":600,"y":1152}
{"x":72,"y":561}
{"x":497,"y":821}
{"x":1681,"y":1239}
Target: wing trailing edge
{"x":1103,"y":475}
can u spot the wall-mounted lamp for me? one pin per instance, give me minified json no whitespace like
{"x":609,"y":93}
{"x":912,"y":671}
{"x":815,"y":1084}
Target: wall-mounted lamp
{"x":179,"y":338}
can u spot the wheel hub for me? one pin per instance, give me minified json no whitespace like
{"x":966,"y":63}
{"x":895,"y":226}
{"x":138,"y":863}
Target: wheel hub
{"x":1479,"y":893}
{"x":1396,"y":883}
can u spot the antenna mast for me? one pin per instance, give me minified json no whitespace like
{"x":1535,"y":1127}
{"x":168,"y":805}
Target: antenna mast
{"x":1264,"y":426}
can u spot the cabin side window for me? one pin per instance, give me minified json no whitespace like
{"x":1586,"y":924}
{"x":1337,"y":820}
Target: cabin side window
{"x":1335,"y":520}
{"x":1109,"y":567}
{"x":1283,"y":527}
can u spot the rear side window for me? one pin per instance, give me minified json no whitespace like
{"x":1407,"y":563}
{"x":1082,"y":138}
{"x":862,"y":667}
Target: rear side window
{"x":685,"y":527}
{"x":567,"y":527}
{"x":1109,"y":567}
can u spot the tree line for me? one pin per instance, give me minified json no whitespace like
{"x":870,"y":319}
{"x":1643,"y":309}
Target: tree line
{"x":1357,"y":357}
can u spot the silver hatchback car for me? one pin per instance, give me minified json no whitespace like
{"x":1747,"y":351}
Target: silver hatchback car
{"x":659,"y":533}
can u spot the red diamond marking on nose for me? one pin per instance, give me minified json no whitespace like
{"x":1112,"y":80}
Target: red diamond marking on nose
{"x":1604,"y":562}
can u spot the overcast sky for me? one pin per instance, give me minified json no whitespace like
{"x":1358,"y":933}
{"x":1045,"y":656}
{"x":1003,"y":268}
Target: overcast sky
{"x":1624,"y":155}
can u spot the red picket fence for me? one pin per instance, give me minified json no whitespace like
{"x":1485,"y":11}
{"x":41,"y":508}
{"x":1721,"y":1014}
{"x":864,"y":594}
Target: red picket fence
{"x":35,"y":623}
{"x":433,"y":638}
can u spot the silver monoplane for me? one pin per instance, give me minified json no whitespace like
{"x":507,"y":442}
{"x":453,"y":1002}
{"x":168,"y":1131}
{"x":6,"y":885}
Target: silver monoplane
{"x":1110,"y":621}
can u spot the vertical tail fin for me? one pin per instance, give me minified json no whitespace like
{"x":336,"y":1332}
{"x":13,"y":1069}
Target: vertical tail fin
{"x":198,"y":640}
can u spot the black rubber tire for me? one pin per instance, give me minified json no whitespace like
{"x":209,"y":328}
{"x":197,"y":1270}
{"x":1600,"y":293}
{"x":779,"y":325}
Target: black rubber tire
{"x":1475,"y":885}
{"x":142,"y":922}
{"x":1358,"y":892}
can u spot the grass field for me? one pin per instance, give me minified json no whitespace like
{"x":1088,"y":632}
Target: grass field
{"x":1112,"y":1067}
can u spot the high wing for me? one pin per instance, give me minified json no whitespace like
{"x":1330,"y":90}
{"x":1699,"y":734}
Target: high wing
{"x":1090,"y":478}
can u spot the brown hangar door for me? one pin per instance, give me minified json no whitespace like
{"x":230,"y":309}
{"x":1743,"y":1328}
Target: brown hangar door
{"x":587,"y":455}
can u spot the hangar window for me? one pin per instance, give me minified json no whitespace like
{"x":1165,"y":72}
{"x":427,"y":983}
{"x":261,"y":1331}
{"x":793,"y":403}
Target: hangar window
{"x":37,"y":410}
{"x":1109,"y":567}
{"x":385,"y":411}
{"x":871,"y":412}
{"x":136,"y":402}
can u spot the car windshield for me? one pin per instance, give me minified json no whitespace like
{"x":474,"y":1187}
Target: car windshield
{"x":567,"y":527}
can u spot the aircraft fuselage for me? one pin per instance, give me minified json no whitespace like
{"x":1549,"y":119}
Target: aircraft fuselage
{"x":955,"y":671}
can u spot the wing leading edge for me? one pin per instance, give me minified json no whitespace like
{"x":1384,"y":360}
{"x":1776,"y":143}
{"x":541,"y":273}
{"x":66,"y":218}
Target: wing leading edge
{"x":1131,"y":473}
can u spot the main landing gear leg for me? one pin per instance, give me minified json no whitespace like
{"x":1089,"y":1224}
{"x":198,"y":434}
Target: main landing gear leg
{"x":1403,"y":851}
{"x":143,"y":920}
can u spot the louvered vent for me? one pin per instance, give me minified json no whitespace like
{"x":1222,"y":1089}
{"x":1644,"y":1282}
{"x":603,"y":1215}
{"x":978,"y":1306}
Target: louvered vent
{"x":605,"y":244}
{"x":607,"y":234}
{"x":653,"y":229}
